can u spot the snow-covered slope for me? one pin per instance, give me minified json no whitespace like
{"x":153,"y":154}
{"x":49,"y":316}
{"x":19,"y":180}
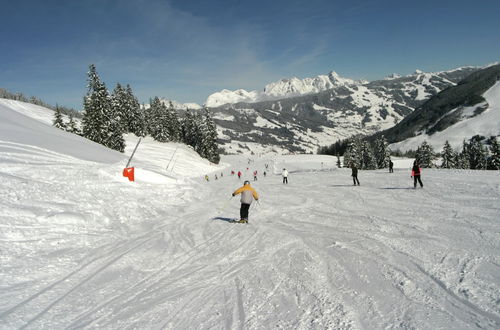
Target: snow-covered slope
{"x":82,"y":248}
{"x":485,"y":123}
{"x":27,"y":124}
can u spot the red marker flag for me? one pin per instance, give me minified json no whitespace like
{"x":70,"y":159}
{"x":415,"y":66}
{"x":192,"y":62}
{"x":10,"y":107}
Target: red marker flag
{"x":128,"y":172}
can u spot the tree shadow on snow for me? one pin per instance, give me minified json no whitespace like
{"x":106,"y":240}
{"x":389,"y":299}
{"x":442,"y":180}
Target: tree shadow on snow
{"x":224,"y":219}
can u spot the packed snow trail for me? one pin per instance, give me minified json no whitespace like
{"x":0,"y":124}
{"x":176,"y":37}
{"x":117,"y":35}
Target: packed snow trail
{"x":94,"y":252}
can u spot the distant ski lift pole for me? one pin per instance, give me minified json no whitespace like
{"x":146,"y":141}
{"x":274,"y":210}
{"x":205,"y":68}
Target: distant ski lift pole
{"x":128,"y":172}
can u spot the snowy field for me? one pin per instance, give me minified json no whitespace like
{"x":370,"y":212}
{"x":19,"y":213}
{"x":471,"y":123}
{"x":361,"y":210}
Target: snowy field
{"x":81,"y":247}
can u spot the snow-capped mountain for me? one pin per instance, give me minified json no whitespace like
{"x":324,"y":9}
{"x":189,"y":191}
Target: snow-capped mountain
{"x":300,"y":115}
{"x":177,"y":105}
{"x":281,"y":89}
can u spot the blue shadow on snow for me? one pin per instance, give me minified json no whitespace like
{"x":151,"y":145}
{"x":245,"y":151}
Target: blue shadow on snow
{"x":224,"y":219}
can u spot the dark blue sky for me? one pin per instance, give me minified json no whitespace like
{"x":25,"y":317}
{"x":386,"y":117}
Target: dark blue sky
{"x":186,"y":50}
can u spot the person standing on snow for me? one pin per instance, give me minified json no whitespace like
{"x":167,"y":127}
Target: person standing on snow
{"x":415,"y":174}
{"x":248,"y":194}
{"x":391,"y":167}
{"x":354,"y":174}
{"x":239,"y":174}
{"x":254,"y":175}
{"x":284,"y":174}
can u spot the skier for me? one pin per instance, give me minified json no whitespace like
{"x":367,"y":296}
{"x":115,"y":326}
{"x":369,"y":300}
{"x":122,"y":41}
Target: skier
{"x":254,"y":175}
{"x":415,"y":174}
{"x":265,"y":174}
{"x":354,"y":174}
{"x":285,"y":176}
{"x":232,"y":172}
{"x":216,"y":178}
{"x":391,"y":167}
{"x":206,"y":178}
{"x":248,"y":194}
{"x":239,"y":174}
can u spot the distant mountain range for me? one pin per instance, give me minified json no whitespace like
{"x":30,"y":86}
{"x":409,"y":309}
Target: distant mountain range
{"x":298,"y":115}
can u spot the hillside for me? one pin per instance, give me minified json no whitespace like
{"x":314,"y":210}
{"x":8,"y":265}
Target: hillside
{"x":318,"y":112}
{"x":456,"y":113}
{"x":83,"y":248}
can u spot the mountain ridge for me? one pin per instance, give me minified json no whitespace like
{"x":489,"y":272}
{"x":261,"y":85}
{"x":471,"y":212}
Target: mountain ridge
{"x":302,"y":123}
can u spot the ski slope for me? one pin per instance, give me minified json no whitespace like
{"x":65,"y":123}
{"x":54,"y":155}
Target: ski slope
{"x":81,"y":247}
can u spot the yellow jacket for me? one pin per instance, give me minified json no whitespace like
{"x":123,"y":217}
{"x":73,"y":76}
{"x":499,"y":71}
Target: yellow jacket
{"x":247,"y":192}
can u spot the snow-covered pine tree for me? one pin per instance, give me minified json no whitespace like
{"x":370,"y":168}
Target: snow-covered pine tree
{"x":135,"y":115}
{"x":158,"y":120}
{"x":115,"y":139}
{"x":368,"y":161}
{"x":188,"y":129}
{"x":478,"y":155}
{"x":117,"y":119}
{"x":210,"y":149}
{"x":425,"y":155}
{"x":99,"y":121}
{"x":382,"y":153}
{"x":174,"y":126}
{"x":463,"y":157}
{"x":347,"y":156}
{"x":71,"y":127}
{"x":449,"y":156}
{"x":119,"y":105}
{"x":58,"y":119}
{"x":494,"y":160}
{"x":353,"y":153}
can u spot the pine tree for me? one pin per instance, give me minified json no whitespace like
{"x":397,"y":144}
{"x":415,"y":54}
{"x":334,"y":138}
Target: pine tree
{"x":58,"y":119}
{"x":189,"y":135}
{"x":72,"y":128}
{"x":210,"y":149}
{"x":494,"y":159}
{"x":135,"y":119}
{"x":99,"y":122}
{"x":158,"y":120}
{"x":368,"y":161}
{"x":478,"y":154}
{"x":463,"y":157}
{"x":449,"y":156}
{"x":352,"y":155}
{"x":425,"y":155}
{"x":382,"y":153}
{"x":119,"y":105}
{"x":174,"y":126}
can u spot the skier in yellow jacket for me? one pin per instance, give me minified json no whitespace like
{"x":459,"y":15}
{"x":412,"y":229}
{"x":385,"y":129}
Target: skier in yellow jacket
{"x":248,"y":194}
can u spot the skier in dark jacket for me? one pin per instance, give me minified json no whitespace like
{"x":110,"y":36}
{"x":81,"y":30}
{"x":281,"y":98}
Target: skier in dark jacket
{"x":354,"y":174}
{"x":391,"y":167}
{"x":415,"y":174}
{"x":248,"y":194}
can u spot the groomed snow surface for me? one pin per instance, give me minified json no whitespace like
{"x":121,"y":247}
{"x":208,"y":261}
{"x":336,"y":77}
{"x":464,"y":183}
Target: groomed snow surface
{"x":81,"y":247}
